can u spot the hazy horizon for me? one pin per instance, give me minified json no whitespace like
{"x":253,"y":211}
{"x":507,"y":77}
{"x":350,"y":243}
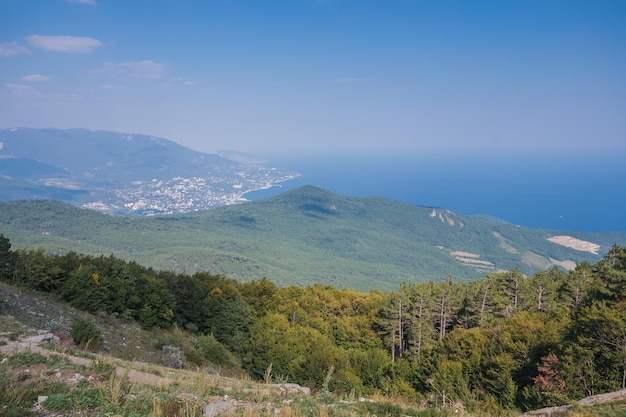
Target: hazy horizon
{"x":334,"y":76}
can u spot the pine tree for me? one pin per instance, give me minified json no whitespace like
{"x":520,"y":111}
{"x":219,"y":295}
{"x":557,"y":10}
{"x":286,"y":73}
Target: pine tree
{"x":7,"y":258}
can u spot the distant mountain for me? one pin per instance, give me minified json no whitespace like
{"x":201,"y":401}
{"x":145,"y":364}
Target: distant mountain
{"x":308,"y":235}
{"x":122,"y":173}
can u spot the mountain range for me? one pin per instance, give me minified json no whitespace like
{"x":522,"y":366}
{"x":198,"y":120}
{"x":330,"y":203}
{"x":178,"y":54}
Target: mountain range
{"x":178,"y":209}
{"x":306,"y":236}
{"x":121,"y":173}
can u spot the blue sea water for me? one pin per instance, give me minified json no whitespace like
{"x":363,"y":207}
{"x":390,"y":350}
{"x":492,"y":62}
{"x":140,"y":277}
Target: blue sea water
{"x":570,"y":193}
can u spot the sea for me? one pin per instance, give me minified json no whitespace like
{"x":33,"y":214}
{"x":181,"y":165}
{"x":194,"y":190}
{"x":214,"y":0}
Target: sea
{"x":568,"y":192}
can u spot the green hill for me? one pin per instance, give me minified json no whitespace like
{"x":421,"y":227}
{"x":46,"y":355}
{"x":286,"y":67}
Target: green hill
{"x":306,"y":236}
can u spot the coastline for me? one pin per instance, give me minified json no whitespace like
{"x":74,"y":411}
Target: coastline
{"x":267,"y":186}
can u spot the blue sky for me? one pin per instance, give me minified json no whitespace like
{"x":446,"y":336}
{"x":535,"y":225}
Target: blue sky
{"x":334,"y":75}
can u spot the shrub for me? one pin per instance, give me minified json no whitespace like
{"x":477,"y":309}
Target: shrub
{"x":86,"y":334}
{"x":214,"y":352}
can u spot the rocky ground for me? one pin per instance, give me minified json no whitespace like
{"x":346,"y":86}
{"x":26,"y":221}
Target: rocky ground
{"x":35,"y":323}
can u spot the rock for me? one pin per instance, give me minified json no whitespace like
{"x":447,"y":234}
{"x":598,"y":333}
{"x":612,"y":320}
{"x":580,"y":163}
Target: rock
{"x":39,"y":338}
{"x":604,"y":398}
{"x":172,"y":357}
{"x":76,"y":378}
{"x":548,"y":411}
{"x":593,"y":400}
{"x":223,"y":405}
{"x":293,"y":388}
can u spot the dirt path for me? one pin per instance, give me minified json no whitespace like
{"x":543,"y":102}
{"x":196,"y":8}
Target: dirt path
{"x":34,"y":344}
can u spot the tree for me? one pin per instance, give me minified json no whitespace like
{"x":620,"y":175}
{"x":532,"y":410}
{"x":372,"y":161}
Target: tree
{"x":491,"y":298}
{"x":7,"y":258}
{"x":448,"y":382}
{"x":498,"y":379}
{"x":576,"y":286}
{"x":550,"y":382}
{"x":272,"y":343}
{"x":394,"y":324}
{"x":228,"y":316}
{"x":113,"y":285}
{"x":189,"y":293}
{"x":505,"y":296}
{"x":369,"y":365}
{"x":469,"y":348}
{"x":543,"y":286}
{"x":37,"y":270}
{"x":421,"y":310}
{"x":448,"y":299}
{"x":611,"y":273}
{"x":259,"y":295}
{"x":616,"y":258}
{"x":597,"y":337}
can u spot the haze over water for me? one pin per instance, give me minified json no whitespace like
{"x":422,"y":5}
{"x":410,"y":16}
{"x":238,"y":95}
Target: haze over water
{"x":571,"y":193}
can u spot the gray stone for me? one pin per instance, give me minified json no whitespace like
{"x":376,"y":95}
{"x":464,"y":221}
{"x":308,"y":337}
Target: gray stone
{"x":39,"y":338}
{"x":293,"y":388}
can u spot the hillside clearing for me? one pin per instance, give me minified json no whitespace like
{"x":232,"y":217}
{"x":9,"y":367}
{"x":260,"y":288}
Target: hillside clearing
{"x":576,"y":244}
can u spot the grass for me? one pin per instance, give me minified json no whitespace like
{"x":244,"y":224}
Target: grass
{"x":101,"y":391}
{"x":82,"y":383}
{"x":26,"y":376}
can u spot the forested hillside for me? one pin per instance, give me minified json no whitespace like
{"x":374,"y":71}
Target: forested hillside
{"x":504,"y":341}
{"x":308,"y":236}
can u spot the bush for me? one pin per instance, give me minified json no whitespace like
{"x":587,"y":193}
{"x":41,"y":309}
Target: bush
{"x":86,"y":334}
{"x":214,"y":352}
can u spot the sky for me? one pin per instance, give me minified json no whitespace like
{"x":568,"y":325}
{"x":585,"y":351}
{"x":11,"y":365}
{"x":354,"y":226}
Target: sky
{"x":452,"y":76}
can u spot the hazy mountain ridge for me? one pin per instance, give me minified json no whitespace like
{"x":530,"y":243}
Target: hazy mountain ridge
{"x":122,"y":173}
{"x":305,"y":236}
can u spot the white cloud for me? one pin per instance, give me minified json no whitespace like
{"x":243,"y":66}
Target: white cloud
{"x":36,"y":78}
{"x":20,"y":88}
{"x":91,"y":2}
{"x":33,"y":97}
{"x":72,"y":44}
{"x":12,"y":49}
{"x":137,"y":69}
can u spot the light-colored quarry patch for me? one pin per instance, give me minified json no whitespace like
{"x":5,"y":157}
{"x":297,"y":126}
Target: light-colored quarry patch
{"x":472,"y":259}
{"x":576,"y":244}
{"x":535,"y":260}
{"x":504,"y":244}
{"x":462,"y":254}
{"x":567,"y":264}
{"x":445,"y":217}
